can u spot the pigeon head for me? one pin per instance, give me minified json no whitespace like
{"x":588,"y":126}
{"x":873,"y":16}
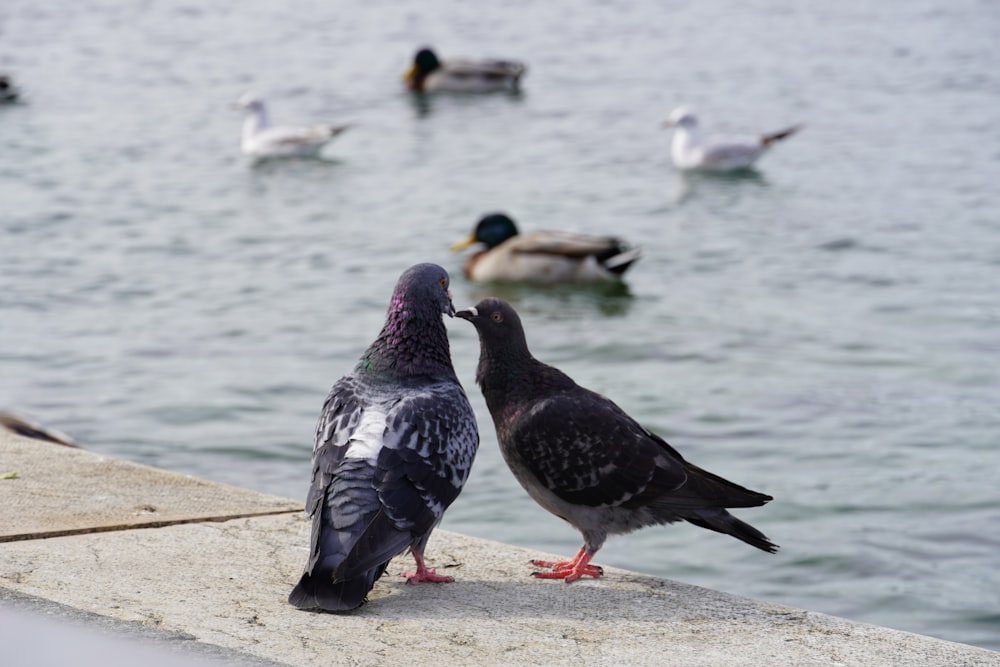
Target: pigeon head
{"x":497,"y":323}
{"x":424,"y":286}
{"x":413,"y":340}
{"x":502,"y":345}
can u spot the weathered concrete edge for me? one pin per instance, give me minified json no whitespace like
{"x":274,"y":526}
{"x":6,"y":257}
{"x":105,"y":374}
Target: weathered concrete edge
{"x":42,"y":535}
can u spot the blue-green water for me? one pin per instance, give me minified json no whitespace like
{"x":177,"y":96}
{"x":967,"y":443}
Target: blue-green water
{"x":825,"y":331}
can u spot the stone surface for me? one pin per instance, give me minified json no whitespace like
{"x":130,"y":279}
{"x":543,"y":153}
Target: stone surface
{"x":224,"y":583}
{"x":62,"y":490}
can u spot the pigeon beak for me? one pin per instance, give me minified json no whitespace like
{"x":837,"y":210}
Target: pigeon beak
{"x":450,"y":309}
{"x":468,"y":313}
{"x":462,"y":245}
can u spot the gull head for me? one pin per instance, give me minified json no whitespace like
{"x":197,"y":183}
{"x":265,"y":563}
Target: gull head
{"x":249,"y":102}
{"x":681,"y":117}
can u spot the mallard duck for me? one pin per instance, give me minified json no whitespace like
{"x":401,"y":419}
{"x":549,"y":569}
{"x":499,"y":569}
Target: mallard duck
{"x":690,"y":152}
{"x":428,"y":74}
{"x":261,"y":140}
{"x":8,"y":91}
{"x":543,"y":257}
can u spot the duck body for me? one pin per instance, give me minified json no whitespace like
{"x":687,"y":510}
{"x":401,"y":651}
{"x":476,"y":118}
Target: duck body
{"x":690,"y":151}
{"x":543,"y":257}
{"x":429,"y":74}
{"x":262,"y":140}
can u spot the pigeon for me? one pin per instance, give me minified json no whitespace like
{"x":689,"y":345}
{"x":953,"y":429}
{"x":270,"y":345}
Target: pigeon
{"x":543,"y":257}
{"x":582,"y":458}
{"x":261,"y":140}
{"x":429,"y":74}
{"x":394,"y":445}
{"x":690,"y":152}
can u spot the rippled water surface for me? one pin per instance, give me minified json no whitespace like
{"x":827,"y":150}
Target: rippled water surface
{"x":824,"y":330}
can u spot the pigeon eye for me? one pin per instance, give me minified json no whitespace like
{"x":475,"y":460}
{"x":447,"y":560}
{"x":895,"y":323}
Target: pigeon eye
{"x":444,"y":282}
{"x":497,"y":316}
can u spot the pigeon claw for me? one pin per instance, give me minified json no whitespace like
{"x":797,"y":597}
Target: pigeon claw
{"x":427,"y":574}
{"x":569,"y":570}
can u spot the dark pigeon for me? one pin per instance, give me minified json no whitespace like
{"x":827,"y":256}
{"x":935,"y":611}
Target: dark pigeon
{"x":586,"y":461}
{"x":394,"y":446}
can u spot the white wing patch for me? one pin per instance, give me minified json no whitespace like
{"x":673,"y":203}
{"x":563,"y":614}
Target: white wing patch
{"x":368,"y":438}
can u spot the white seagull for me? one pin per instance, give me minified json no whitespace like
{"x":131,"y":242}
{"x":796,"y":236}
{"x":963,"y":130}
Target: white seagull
{"x":690,"y":152}
{"x":261,"y":140}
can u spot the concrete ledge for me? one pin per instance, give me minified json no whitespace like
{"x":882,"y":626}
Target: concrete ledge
{"x":61,"y":490}
{"x":225,"y":583}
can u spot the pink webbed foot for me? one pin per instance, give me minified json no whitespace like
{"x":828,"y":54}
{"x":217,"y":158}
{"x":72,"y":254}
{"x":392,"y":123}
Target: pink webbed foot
{"x":569,"y":570}
{"x":425,"y":573}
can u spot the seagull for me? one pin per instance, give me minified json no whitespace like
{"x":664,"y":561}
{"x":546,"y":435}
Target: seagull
{"x":429,"y":74}
{"x":394,"y":445}
{"x":543,"y":257}
{"x":261,"y":140}
{"x":582,"y":458}
{"x":690,"y":152}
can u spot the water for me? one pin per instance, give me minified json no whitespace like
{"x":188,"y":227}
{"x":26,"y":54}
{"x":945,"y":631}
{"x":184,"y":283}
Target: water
{"x":824,"y":331}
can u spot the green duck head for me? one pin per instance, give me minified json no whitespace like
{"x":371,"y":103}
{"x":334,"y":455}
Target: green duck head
{"x":491,"y":231}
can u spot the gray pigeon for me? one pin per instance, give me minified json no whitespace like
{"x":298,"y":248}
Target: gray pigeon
{"x":586,"y":461}
{"x":394,"y":446}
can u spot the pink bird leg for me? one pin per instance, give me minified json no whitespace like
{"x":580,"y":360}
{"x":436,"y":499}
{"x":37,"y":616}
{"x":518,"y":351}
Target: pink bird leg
{"x":569,"y":570}
{"x":424,"y":573}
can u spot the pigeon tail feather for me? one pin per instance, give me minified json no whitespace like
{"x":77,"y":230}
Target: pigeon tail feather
{"x":318,"y":591}
{"x":722,"y":521}
{"x":708,"y":490}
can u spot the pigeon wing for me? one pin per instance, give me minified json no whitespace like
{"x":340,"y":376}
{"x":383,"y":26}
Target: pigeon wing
{"x":430,"y":442}
{"x":338,"y":420}
{"x":588,"y":451}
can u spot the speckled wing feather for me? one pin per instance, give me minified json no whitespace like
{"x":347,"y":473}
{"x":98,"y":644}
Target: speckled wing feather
{"x":587,"y":451}
{"x":430,"y":442}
